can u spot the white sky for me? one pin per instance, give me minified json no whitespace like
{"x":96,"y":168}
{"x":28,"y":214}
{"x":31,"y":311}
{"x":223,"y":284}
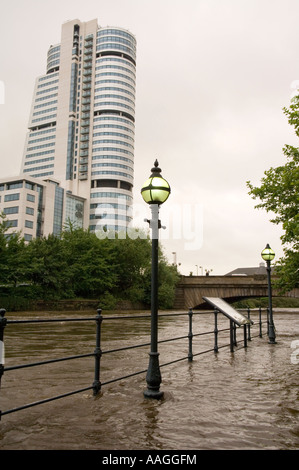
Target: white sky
{"x":212,"y":79}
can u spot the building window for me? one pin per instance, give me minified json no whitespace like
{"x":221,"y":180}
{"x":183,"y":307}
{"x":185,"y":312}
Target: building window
{"x":30,"y":198}
{"x":48,"y":84}
{"x":40,"y":175}
{"x":12,"y":197}
{"x":74,"y":211}
{"x":70,"y":150}
{"x":29,"y":210}
{"x":28,"y":224}
{"x":58,"y":210}
{"x":111,"y":195}
{"x":12,"y":223}
{"x":27,"y":237}
{"x":18,"y":184}
{"x":43,"y":167}
{"x":11,"y":210}
{"x":39,"y":211}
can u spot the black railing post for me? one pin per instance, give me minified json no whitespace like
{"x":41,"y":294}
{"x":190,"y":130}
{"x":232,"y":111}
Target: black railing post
{"x":245,"y":336}
{"x":97,"y":354}
{"x":2,"y":326}
{"x":260,"y":322}
{"x":215,"y":331}
{"x":231,"y":336}
{"x":190,"y":336}
{"x":249,"y":333}
{"x":235,"y":334}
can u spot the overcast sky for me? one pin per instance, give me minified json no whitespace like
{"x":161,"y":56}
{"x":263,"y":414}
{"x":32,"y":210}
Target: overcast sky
{"x":212,"y":79}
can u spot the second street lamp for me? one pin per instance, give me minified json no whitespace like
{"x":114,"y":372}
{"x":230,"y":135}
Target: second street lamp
{"x":268,"y":255}
{"x":155,"y":191}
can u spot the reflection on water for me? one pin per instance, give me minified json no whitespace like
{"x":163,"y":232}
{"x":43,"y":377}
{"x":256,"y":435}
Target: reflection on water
{"x":245,"y":400}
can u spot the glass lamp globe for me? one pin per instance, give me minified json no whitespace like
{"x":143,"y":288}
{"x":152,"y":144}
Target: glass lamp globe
{"x":156,"y":189}
{"x":268,"y":254}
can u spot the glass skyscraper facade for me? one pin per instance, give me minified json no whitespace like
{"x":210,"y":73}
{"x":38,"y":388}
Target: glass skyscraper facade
{"x":81,"y":128}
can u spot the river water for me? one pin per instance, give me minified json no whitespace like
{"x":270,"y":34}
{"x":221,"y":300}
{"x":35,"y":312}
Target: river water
{"x":240,"y":401}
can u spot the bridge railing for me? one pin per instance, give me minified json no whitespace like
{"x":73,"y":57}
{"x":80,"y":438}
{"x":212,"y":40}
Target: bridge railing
{"x":98,"y":353}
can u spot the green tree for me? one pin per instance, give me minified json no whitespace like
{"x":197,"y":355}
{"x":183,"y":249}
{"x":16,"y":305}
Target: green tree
{"x":48,"y":268}
{"x":91,"y":263}
{"x":16,"y":271}
{"x":13,"y":255}
{"x":168,"y":279}
{"x":79,"y":264}
{"x":279,"y":194}
{"x":132,"y":262}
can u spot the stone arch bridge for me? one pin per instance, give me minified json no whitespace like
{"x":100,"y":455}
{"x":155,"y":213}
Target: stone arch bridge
{"x":191,"y":289}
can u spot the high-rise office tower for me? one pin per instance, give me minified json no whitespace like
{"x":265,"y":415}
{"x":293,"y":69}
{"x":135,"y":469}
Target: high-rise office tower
{"x":82,"y":122}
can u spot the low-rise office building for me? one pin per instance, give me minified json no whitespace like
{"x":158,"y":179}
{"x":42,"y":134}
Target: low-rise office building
{"x":37,"y":207}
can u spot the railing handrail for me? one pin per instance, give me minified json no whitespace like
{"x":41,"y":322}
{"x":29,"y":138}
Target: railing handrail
{"x":98,"y":352}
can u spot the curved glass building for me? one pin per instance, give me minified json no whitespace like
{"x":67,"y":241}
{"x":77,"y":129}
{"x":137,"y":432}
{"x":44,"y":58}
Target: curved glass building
{"x":112,"y":161}
{"x":82,"y":121}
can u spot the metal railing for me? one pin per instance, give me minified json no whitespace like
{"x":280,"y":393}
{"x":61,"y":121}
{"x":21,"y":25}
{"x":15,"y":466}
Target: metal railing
{"x":98,"y":353}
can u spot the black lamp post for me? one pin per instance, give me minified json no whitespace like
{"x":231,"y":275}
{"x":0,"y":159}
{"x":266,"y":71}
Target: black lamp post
{"x":268,"y":255}
{"x":155,"y":191}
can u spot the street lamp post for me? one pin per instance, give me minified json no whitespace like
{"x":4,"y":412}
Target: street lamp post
{"x":155,"y":191}
{"x":268,"y":255}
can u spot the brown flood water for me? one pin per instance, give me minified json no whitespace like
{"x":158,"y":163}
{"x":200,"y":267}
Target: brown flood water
{"x":241,"y":401}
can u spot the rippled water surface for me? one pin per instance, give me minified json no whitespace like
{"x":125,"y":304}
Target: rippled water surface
{"x":242,"y":400}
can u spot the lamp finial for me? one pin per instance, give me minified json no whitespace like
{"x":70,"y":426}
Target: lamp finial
{"x":156,"y":170}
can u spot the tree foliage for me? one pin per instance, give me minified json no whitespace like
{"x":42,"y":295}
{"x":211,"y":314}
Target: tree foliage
{"x":78,"y":264}
{"x":279,"y":195}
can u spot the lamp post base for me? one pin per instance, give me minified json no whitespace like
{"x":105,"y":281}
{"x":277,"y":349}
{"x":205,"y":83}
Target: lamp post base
{"x":153,"y":377}
{"x":272,"y":341}
{"x":271,"y":334}
{"x":157,"y":394}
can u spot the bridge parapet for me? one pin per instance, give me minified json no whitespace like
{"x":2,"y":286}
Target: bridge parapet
{"x":191,"y":289}
{"x":223,"y":280}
